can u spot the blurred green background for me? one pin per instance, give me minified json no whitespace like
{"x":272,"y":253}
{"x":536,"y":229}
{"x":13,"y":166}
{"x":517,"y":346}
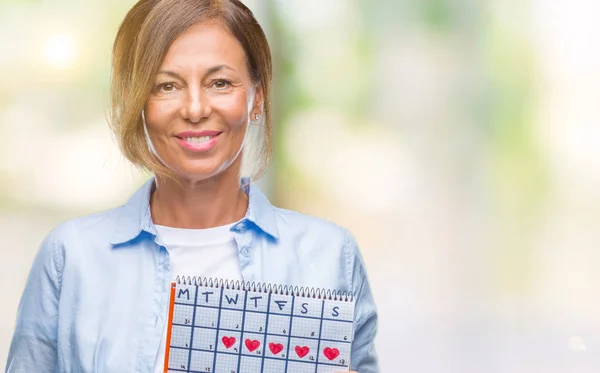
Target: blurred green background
{"x":458,"y":140}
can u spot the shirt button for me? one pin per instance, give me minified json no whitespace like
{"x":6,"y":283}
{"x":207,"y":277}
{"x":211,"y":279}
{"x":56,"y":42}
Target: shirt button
{"x":245,"y":251}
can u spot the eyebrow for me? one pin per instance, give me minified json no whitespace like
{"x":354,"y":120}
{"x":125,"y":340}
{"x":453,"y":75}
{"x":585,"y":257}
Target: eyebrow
{"x":210,"y":71}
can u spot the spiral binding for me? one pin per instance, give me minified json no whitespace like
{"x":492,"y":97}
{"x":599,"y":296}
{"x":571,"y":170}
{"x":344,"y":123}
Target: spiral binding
{"x":260,"y":287}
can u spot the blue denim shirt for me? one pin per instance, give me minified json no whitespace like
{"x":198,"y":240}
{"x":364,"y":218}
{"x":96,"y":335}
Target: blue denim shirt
{"x":96,"y":299}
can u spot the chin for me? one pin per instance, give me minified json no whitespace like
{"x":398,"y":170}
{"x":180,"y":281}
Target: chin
{"x":199,"y":173}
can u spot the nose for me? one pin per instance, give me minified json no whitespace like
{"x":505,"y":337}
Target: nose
{"x":196,"y":106}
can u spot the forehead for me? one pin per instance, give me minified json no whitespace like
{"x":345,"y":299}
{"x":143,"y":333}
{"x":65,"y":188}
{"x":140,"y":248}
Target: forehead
{"x":203,"y":46}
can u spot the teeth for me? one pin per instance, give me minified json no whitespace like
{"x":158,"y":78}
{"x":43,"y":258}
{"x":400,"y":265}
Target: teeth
{"x":198,"y":139}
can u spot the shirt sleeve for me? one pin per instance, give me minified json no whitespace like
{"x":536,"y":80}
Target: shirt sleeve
{"x":363,"y":355}
{"x":34,"y":343}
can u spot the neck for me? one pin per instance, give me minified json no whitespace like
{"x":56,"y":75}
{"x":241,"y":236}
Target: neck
{"x":198,"y":204}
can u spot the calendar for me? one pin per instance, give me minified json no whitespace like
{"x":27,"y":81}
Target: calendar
{"x":218,"y":326}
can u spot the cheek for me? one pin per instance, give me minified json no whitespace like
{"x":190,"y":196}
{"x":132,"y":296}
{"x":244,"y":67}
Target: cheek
{"x":233,"y":109}
{"x":157,"y":111}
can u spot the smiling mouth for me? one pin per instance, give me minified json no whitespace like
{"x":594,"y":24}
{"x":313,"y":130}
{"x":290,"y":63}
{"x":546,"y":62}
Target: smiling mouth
{"x":198,"y":140}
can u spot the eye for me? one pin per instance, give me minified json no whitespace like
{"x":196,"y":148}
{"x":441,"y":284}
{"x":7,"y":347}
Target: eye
{"x":167,"y":87}
{"x":221,"y":83}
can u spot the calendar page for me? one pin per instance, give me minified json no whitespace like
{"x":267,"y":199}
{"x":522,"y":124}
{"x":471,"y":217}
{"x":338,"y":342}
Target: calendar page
{"x":244,"y":328}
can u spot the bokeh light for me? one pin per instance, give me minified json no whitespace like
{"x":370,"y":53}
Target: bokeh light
{"x":60,"y":51}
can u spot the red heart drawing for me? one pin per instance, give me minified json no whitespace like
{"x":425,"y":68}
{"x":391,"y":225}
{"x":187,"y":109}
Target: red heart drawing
{"x":228,"y":341}
{"x":275,"y":348}
{"x":331,"y":353}
{"x":302,"y":351}
{"x":252,"y":344}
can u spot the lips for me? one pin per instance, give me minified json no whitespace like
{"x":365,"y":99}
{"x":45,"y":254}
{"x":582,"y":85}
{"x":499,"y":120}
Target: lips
{"x":187,"y":134}
{"x":198,"y":141}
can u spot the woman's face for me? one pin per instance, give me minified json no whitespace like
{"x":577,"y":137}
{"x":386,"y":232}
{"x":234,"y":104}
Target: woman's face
{"x":201,"y":102}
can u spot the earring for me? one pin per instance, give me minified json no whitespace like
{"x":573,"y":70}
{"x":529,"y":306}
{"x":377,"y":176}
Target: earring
{"x":256,"y":116}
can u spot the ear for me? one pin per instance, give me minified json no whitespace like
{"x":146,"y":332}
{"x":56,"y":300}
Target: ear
{"x":259,"y":100}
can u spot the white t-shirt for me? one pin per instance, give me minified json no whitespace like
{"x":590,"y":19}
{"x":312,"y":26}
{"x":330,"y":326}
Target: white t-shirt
{"x":208,"y":252}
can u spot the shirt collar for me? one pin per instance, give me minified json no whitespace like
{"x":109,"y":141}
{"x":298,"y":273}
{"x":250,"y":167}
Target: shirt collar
{"x":134,"y":217}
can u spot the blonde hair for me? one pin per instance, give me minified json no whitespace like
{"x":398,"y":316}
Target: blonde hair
{"x":142,"y":42}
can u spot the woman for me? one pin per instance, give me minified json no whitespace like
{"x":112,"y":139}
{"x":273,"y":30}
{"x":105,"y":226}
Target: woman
{"x":191,"y":103}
